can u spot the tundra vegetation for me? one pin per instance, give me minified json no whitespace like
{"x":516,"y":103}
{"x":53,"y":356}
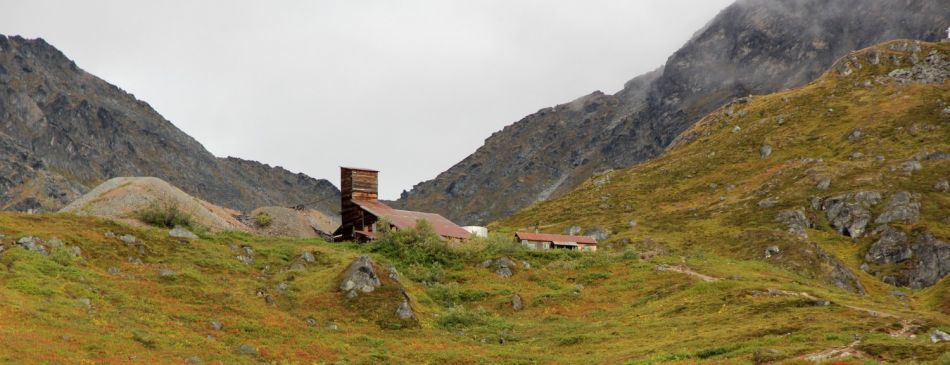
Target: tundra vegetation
{"x":712,"y":253}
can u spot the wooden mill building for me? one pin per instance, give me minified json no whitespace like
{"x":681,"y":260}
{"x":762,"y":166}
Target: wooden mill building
{"x":361,"y":210}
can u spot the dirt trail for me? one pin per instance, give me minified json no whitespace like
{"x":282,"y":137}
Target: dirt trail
{"x":683,"y":269}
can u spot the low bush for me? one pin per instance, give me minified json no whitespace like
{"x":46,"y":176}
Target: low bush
{"x":263,"y":219}
{"x":164,"y":215}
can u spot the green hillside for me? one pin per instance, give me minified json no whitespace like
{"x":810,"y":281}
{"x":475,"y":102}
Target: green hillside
{"x":683,"y":277}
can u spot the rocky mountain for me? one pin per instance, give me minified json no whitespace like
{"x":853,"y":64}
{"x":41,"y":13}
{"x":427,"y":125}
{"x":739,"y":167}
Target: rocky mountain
{"x":751,"y":47}
{"x":63,"y":131}
{"x":844,"y":179}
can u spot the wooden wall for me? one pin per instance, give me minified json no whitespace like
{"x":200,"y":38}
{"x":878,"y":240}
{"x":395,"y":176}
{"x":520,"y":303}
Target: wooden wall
{"x":355,"y":184}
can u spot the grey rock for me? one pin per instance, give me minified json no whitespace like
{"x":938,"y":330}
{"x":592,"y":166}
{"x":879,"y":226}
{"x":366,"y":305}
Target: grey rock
{"x":248,"y":250}
{"x":823,"y":183}
{"x":311,"y":322}
{"x":360,"y":277}
{"x":942,"y":186}
{"x":931,"y":261}
{"x":768,"y":202}
{"x":245,"y":259}
{"x":182,"y":232}
{"x":109,"y":234}
{"x":855,"y":134}
{"x":269,"y":299}
{"x":128,"y":239}
{"x":849,"y":213}
{"x":135,"y":260}
{"x":890,"y":248}
{"x":485,"y":264}
{"x":194,"y":360}
{"x":167,"y":273}
{"x":504,"y":272}
{"x":31,"y":243}
{"x":332,"y":327}
{"x":283,"y":286}
{"x":772,"y":250}
{"x":795,"y":221}
{"x":573,"y":230}
{"x":392,"y":273}
{"x":216,"y":325}
{"x":516,"y":302}
{"x":632,"y":223}
{"x":765,"y":151}
{"x":308,"y":257}
{"x":113,"y":270}
{"x":85,"y":302}
{"x":526,"y":265}
{"x":246,"y":349}
{"x":405,"y":310}
{"x":598,"y":233}
{"x":902,"y":207}
{"x":910,"y":167}
{"x":55,"y":242}
{"x":939,"y":336}
{"x":822,"y":302}
{"x":74,"y":251}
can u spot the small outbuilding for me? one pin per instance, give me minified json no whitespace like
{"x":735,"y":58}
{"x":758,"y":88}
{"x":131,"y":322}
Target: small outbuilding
{"x":546,"y":241}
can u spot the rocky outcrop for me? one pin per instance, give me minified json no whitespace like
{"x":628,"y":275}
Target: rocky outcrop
{"x":850,"y":213}
{"x":795,"y":221}
{"x":751,"y":47}
{"x":902,"y":207}
{"x":919,"y":263}
{"x":63,"y":130}
{"x":359,"y":277}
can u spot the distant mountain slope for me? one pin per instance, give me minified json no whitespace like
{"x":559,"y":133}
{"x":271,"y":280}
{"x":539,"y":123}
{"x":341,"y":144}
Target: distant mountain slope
{"x":844,"y":179}
{"x":63,"y":131}
{"x":751,"y":47}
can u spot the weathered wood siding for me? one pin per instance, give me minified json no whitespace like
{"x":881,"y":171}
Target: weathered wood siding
{"x":356,"y":184}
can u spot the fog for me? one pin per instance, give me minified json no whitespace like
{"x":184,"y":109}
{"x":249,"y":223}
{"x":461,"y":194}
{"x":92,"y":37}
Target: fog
{"x":405,"y":87}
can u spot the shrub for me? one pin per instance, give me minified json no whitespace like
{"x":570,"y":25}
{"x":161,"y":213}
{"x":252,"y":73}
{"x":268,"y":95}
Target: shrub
{"x":418,"y":246}
{"x":263,"y":219}
{"x":165,"y":215}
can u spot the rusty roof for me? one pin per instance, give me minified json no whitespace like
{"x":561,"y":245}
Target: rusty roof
{"x":403,"y":219}
{"x":544,"y":237}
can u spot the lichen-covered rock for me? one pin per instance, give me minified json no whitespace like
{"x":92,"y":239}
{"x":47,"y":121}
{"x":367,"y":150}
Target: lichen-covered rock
{"x":849,"y":213}
{"x":405,"y":310}
{"x":902,"y":207}
{"x":516,"y":302}
{"x":504,"y":267}
{"x":890,"y":248}
{"x":359,"y":277}
{"x":795,"y":221}
{"x":942,"y":186}
{"x":182,"y":232}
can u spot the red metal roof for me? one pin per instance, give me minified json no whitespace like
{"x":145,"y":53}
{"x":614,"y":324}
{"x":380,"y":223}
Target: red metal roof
{"x":407,"y":219}
{"x":544,"y":237}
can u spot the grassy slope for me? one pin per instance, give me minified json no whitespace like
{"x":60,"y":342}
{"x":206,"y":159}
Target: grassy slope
{"x":608,"y":307}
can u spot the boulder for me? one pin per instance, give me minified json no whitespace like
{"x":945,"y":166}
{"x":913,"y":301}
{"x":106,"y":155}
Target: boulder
{"x":855,"y":134}
{"x":516,"y":302}
{"x":182,"y":232}
{"x":216,"y":325}
{"x":823,"y":183}
{"x":795,"y":221}
{"x":504,"y":267}
{"x":939,"y":336}
{"x":31,"y":243}
{"x":405,"y":310}
{"x":849,"y":213}
{"x":765,"y":151}
{"x":308,"y":257}
{"x":902,"y":207}
{"x":246,"y":349}
{"x":890,"y":248}
{"x":359,"y":277}
{"x":768,"y":202}
{"x":942,"y":186}
{"x":772,"y":250}
{"x":599,"y":233}
{"x":128,"y":239}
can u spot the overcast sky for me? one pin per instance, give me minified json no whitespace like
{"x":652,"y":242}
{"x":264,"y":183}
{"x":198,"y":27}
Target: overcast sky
{"x":406,"y":87}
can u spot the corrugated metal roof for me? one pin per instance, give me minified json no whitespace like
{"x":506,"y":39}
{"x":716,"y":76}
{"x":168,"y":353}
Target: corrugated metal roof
{"x":544,"y":237}
{"x":407,"y":219}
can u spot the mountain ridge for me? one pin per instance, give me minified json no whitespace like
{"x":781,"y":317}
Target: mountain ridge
{"x":769,"y":46}
{"x":63,"y":131}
